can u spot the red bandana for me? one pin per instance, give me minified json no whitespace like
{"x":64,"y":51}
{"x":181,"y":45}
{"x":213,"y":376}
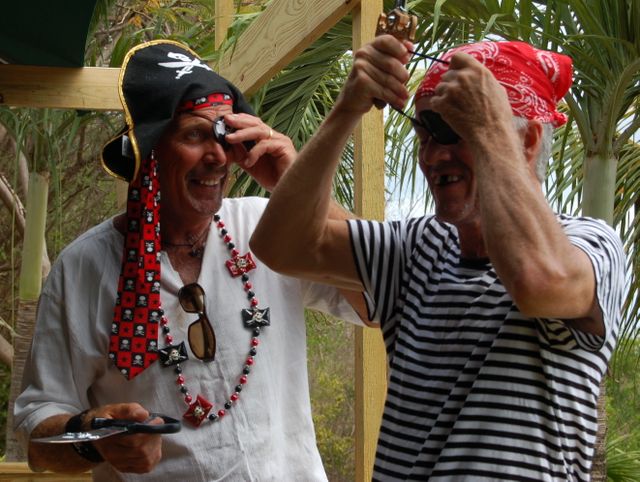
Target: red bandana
{"x":535,"y":80}
{"x":208,"y":101}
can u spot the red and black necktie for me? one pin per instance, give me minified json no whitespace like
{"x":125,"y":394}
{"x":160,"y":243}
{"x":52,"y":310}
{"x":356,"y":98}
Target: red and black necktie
{"x":134,"y":332}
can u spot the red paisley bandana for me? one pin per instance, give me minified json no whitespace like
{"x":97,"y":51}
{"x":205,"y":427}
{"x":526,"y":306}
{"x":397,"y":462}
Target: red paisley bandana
{"x":535,"y":80}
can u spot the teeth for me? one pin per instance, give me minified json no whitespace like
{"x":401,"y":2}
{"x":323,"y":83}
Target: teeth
{"x":441,"y":180}
{"x":207,"y":183}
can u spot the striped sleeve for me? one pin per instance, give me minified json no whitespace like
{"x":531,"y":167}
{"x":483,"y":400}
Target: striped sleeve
{"x":381,"y":255}
{"x":604,"y":248}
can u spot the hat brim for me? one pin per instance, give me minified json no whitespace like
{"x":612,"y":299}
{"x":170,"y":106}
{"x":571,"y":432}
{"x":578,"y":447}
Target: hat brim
{"x":121,"y":156}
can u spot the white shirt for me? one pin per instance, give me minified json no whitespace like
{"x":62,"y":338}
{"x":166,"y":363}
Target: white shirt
{"x":267,"y":435}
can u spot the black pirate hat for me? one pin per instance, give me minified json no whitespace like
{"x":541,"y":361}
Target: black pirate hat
{"x":155,"y":78}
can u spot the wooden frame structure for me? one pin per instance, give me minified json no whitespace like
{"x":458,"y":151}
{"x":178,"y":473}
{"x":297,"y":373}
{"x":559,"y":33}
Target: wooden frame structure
{"x":281,"y":32}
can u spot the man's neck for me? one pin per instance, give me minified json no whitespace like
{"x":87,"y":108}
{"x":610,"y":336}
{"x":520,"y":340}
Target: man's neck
{"x":471,"y":241}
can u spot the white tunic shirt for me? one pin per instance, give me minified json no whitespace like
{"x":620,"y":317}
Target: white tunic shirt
{"x":267,"y":435}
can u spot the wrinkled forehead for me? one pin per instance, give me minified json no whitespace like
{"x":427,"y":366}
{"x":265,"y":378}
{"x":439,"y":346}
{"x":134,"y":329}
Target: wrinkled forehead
{"x":209,"y":113}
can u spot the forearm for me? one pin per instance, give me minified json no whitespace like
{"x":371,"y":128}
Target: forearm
{"x":301,"y":208}
{"x":300,"y":232}
{"x":55,"y":457}
{"x":545,"y":274}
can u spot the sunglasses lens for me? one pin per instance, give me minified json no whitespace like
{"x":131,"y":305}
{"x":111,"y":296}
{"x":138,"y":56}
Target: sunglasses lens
{"x":438,"y":128}
{"x":202,"y":339}
{"x":191,"y":298}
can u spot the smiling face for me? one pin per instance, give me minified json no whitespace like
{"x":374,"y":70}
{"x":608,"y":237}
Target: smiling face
{"x":193,"y":166}
{"x":449,"y":170}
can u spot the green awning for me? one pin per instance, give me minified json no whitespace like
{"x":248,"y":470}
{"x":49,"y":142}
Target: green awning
{"x":45,"y":32}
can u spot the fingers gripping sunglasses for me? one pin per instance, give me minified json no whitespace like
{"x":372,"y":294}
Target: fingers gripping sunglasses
{"x":430,"y":121}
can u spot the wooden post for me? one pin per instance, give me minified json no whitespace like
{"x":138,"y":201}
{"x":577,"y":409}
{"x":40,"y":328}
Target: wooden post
{"x":370,"y":354}
{"x":224,"y":17}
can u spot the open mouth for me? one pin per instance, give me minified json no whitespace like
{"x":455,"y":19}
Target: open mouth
{"x":446,"y":179}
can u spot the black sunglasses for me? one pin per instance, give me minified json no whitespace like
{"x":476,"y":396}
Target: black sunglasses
{"x":220,"y":131}
{"x":202,"y":339}
{"x":434,"y":125}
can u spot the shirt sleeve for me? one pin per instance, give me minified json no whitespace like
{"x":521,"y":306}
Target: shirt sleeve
{"x":379,"y":257}
{"x":68,"y":345}
{"x":604,"y":248}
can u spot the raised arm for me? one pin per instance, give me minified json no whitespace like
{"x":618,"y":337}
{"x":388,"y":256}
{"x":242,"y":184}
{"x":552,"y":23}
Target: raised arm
{"x":299,"y":233}
{"x":547,"y":275}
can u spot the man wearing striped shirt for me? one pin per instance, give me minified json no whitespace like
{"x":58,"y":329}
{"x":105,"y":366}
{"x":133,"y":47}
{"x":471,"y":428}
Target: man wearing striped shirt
{"x":499,"y":316}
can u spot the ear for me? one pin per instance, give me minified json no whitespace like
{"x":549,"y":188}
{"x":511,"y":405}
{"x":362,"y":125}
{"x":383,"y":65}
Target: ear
{"x":532,"y":142}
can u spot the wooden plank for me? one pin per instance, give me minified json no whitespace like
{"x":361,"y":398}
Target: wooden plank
{"x":20,"y":471}
{"x":224,"y":18}
{"x":370,"y":354}
{"x":283,"y":30}
{"x":90,"y":88}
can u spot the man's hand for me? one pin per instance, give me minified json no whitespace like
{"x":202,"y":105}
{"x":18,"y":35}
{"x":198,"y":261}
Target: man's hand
{"x":272,"y":155}
{"x":137,"y":453}
{"x":379,"y":72}
{"x":470,"y":99}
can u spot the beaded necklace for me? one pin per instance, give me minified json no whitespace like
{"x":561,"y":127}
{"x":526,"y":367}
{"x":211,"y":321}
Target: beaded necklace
{"x":253,"y":318}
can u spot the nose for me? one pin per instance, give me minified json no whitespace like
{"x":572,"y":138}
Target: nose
{"x":214,"y":153}
{"x":432,"y":152}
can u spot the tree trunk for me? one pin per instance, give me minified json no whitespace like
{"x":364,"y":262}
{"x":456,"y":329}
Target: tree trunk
{"x":21,"y":344}
{"x":30,"y":284}
{"x":597,"y":201}
{"x":598,"y":191}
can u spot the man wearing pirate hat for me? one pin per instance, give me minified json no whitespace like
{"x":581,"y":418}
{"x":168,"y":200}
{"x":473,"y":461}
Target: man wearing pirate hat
{"x":163,"y":309}
{"x":499,"y":316}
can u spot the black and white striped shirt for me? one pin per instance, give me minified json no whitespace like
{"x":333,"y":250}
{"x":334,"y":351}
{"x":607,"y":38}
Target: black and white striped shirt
{"x":476,"y":390}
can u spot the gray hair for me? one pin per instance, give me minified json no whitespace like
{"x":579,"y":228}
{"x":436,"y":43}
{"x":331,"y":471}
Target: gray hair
{"x":546,"y":145}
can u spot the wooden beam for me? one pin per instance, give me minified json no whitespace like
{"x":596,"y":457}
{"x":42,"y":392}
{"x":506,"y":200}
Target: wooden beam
{"x":224,"y":18}
{"x":283,"y":30}
{"x":14,"y":471}
{"x":90,"y":88}
{"x":370,"y":355}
